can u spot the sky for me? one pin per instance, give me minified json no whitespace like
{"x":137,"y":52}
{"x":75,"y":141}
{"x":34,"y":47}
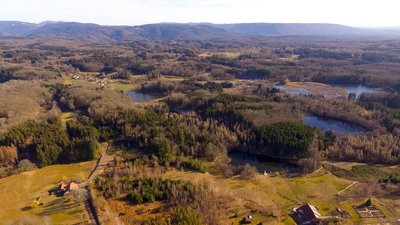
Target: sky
{"x":359,"y":13}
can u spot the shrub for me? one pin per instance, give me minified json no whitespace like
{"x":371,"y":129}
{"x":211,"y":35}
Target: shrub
{"x":135,"y":197}
{"x":195,"y":165}
{"x":248,"y":172}
{"x":35,"y":204}
{"x":25,"y":165}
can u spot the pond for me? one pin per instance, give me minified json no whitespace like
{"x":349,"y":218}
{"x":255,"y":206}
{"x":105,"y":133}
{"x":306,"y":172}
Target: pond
{"x":180,"y":111}
{"x":138,"y":96}
{"x":358,"y":89}
{"x":328,"y":91}
{"x":262,"y":163}
{"x":292,"y":91}
{"x":337,"y":126}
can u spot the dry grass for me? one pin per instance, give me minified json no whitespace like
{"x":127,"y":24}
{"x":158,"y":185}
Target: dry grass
{"x":20,"y":101}
{"x":123,"y":87}
{"x":17,"y":193}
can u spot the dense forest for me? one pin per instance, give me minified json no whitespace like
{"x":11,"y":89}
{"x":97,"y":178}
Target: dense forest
{"x":48,"y":143}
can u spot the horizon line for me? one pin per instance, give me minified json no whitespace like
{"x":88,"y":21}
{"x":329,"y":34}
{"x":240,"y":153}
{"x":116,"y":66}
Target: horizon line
{"x":132,"y":25}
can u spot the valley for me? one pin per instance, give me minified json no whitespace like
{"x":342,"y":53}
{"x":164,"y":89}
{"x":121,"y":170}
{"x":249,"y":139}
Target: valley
{"x":212,"y":128}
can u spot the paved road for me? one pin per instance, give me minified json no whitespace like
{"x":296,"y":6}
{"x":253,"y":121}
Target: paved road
{"x":101,"y":164}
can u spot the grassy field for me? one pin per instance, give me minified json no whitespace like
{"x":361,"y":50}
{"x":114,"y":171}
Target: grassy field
{"x":17,"y":193}
{"x":124,"y":87}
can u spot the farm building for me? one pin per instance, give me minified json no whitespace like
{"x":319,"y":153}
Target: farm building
{"x":64,"y":188}
{"x":307,"y":214}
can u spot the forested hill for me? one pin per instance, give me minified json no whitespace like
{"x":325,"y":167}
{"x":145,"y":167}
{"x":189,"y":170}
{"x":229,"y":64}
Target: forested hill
{"x":176,"y":31}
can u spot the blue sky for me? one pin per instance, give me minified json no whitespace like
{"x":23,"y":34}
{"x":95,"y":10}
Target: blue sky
{"x":364,"y":13}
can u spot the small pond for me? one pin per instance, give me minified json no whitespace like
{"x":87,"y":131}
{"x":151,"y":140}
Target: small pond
{"x":180,"y":111}
{"x":327,"y":91}
{"x":358,"y":89}
{"x":334,"y":125}
{"x":138,"y":96}
{"x":292,"y":91}
{"x":262,"y":163}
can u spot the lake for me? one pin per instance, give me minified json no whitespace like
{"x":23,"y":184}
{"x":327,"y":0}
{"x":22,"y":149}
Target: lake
{"x":337,"y":126}
{"x":262,"y":163}
{"x":138,"y":96}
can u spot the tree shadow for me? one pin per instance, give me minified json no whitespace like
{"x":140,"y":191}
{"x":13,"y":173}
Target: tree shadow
{"x":57,"y":206}
{"x":26,"y":208}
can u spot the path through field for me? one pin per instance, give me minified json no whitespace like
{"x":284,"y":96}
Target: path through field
{"x":351,"y":185}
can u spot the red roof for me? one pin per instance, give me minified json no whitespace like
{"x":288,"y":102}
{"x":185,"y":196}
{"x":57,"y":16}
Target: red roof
{"x":62,"y":186}
{"x":71,"y":186}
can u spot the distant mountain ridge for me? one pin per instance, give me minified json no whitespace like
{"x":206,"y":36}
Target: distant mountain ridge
{"x":16,"y":28}
{"x":290,"y":29}
{"x":177,"y":31}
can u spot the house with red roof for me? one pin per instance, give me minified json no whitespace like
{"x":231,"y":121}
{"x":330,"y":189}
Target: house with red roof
{"x":64,"y":188}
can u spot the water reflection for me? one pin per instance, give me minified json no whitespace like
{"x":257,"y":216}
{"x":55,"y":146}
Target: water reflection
{"x":334,"y":125}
